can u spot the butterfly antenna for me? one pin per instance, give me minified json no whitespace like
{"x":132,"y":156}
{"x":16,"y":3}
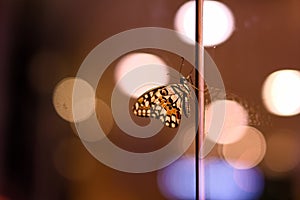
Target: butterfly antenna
{"x":189,"y":78}
{"x":194,"y":87}
{"x":181,"y":65}
{"x":171,"y":75}
{"x":191,"y":71}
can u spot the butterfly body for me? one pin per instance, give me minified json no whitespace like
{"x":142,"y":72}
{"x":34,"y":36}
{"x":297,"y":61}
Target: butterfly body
{"x":166,"y":103}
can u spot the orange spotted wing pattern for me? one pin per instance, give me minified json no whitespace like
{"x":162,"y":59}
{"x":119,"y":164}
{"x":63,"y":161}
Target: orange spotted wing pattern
{"x":165,"y":103}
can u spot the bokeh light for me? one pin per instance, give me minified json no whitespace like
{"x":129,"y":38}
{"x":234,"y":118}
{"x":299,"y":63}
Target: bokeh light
{"x":156,"y":75}
{"x":218,"y":22}
{"x":63,"y":103}
{"x":248,"y":180}
{"x":246,"y":152}
{"x":235,"y":117}
{"x":283,"y":152}
{"x":177,"y":181}
{"x":104,"y":116}
{"x":280,"y":92}
{"x":222,"y":181}
{"x":105,"y":120}
{"x":185,"y":21}
{"x":225,"y":182}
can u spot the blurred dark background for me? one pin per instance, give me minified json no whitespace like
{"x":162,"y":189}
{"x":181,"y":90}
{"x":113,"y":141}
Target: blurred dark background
{"x":43,"y":42}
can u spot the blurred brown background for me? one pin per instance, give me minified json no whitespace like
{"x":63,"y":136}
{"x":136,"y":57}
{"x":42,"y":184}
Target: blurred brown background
{"x":45,"y":41}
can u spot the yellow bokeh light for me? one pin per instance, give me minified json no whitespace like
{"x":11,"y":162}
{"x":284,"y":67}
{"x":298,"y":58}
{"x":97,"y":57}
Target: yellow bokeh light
{"x":280,"y":92}
{"x":104,"y":116}
{"x":64,"y":104}
{"x":105,"y":120}
{"x":235,"y":118}
{"x":283,"y":152}
{"x":246,"y":152}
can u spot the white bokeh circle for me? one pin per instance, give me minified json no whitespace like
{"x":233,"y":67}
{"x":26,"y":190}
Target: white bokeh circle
{"x":156,"y":73}
{"x":218,"y":22}
{"x":280,"y":92}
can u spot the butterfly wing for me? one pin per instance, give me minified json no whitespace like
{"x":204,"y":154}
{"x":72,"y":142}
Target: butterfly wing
{"x":183,"y":92}
{"x":171,"y":104}
{"x":144,"y":104}
{"x":161,"y":103}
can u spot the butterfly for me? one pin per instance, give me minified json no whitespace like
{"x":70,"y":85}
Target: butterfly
{"x":166,"y":103}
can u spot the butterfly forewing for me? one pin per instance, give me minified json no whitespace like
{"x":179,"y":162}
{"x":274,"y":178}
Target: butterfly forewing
{"x":165,"y":103}
{"x":145,"y":102}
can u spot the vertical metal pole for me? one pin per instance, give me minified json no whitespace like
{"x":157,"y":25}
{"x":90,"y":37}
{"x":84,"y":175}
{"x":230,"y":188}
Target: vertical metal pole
{"x":199,"y":81}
